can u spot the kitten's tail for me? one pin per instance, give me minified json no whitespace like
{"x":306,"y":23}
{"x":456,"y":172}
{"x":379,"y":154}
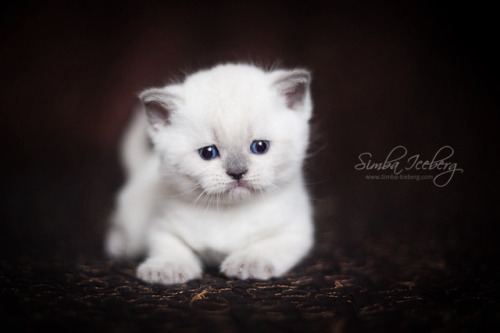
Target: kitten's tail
{"x":135,"y":147}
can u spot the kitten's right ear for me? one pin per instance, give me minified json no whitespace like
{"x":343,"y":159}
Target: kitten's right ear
{"x":159,"y":104}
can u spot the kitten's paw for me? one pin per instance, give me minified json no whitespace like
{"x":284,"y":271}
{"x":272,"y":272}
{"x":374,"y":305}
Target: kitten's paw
{"x":162,"y":271}
{"x":244,"y":266}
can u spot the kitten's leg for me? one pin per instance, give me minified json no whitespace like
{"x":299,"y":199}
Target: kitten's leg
{"x":125,"y":237}
{"x":135,"y":206}
{"x":170,"y":261}
{"x":270,"y":257}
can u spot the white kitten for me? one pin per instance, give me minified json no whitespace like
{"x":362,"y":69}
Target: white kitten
{"x":224,"y":183}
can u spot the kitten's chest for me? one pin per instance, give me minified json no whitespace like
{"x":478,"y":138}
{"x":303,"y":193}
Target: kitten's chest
{"x":216,"y":233}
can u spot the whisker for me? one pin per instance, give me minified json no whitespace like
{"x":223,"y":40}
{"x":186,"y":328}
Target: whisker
{"x":208,"y":201}
{"x":186,"y":192}
{"x":323,"y":181}
{"x":195,"y":202}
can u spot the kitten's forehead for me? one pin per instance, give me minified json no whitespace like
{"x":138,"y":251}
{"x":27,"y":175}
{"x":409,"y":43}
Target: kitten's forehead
{"x":225,"y":84}
{"x":230,"y":100}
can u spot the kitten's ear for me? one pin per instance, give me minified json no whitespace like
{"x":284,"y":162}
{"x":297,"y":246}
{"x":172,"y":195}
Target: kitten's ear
{"x":158,"y":104}
{"x":294,"y":86}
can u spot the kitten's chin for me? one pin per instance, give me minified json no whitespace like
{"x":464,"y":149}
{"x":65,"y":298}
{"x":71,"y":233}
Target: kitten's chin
{"x":238,"y":193}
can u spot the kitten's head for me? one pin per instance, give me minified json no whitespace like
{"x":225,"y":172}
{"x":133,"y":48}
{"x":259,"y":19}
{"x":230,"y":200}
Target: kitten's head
{"x":230,"y":132}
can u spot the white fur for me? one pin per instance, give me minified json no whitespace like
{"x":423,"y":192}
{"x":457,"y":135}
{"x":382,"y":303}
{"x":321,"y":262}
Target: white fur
{"x":183,"y":211}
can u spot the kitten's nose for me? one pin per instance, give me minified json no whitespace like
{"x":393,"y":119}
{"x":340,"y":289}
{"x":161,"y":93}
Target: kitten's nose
{"x":236,"y":165}
{"x":237,"y":175}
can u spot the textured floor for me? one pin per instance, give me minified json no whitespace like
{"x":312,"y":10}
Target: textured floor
{"x":315,"y":297}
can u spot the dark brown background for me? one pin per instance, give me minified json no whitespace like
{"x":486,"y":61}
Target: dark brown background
{"x":418,"y":74}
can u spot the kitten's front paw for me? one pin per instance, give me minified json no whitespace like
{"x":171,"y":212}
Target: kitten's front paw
{"x":162,"y":271}
{"x":244,"y":266}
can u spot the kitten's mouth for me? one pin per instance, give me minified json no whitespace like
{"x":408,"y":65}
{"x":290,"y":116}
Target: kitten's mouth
{"x":239,"y":184}
{"x":239,"y":188}
{"x":232,"y":192}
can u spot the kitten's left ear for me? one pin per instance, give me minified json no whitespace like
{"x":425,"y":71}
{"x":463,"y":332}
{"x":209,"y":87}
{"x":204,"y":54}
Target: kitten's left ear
{"x":294,"y":86}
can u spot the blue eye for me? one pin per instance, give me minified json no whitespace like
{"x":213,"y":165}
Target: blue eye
{"x":259,"y":147}
{"x":208,"y":153}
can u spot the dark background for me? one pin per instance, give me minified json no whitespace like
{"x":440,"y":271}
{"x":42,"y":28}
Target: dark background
{"x":421,"y":74}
